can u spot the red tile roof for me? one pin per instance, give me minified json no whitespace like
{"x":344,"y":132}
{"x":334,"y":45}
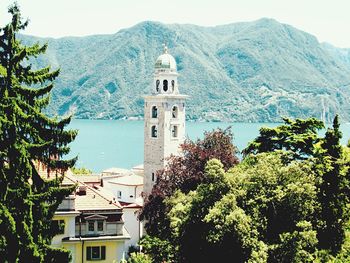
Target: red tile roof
{"x":93,"y":199}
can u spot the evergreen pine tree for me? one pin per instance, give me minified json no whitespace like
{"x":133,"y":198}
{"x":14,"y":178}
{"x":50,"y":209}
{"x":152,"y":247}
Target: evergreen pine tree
{"x":28,"y":201}
{"x":333,"y":196}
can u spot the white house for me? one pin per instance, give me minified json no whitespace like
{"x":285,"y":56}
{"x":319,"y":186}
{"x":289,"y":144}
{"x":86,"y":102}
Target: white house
{"x":127,"y":188}
{"x":90,"y":225}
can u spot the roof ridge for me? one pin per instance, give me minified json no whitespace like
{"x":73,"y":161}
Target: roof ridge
{"x":70,"y":178}
{"x":116,"y":203}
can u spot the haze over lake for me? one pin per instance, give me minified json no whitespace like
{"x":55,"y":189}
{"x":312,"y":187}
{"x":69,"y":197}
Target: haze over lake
{"x":103,"y":144}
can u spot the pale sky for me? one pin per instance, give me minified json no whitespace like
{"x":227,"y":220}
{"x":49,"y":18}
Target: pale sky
{"x":328,"y":20}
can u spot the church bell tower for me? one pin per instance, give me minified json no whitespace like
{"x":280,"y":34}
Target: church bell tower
{"x":164,"y":117}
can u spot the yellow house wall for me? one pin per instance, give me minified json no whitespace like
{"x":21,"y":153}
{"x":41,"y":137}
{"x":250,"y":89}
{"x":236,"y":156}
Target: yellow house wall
{"x":113,"y":251}
{"x":69,"y":229}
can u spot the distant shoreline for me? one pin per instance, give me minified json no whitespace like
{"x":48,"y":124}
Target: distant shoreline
{"x":187,"y":120}
{"x":193,"y":120}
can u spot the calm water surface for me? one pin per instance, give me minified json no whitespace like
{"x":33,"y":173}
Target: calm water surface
{"x":103,"y":144}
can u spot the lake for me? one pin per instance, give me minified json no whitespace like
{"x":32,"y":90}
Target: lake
{"x":103,"y":144}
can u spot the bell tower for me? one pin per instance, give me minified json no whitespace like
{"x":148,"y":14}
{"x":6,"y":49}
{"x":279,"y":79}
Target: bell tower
{"x":164,"y":117}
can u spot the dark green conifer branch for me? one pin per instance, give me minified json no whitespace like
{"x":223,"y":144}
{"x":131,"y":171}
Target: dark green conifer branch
{"x":27,"y":136}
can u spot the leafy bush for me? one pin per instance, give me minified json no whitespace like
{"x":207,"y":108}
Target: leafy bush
{"x":159,"y":250}
{"x":139,"y":258}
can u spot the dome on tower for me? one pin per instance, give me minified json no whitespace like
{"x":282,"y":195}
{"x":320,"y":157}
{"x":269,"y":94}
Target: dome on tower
{"x":166,"y":61}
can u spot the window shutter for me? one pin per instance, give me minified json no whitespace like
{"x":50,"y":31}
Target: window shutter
{"x":61,"y":227}
{"x":88,"y":253}
{"x":103,"y":252}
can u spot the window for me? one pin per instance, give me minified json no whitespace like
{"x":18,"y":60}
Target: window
{"x":173,"y":85}
{"x":154,"y":112}
{"x":96,"y":253}
{"x":174,"y":131}
{"x":58,"y":226}
{"x":152,"y":177}
{"x":174,"y":112}
{"x":119,"y":194}
{"x":165,"y":85}
{"x":157,"y":85}
{"x":154,"y":132}
{"x":99,"y":226}
{"x":91,"y":226}
{"x":95,"y":226}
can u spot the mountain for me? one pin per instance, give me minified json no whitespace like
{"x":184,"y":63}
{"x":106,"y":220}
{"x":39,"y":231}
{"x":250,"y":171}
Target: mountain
{"x":254,"y":71}
{"x":343,"y":54}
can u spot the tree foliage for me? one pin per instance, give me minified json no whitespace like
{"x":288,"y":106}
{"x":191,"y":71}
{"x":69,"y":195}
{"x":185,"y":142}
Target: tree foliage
{"x":297,"y":246}
{"x":296,"y":136}
{"x":186,"y":172}
{"x":81,"y":170}
{"x":287,"y":201}
{"x":139,"y":258}
{"x":27,"y":135}
{"x":333,"y":167}
{"x":158,"y":250}
{"x":243,"y":213}
{"x":331,"y":163}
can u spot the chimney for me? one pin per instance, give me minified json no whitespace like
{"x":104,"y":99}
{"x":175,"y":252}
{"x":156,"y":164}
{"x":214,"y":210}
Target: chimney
{"x":81,"y":190}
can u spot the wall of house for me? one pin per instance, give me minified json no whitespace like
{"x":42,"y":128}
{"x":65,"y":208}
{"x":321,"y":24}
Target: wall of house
{"x":114,"y":251}
{"x":132,"y":224}
{"x":72,"y":249}
{"x":69,"y":229}
{"x":128,"y":192}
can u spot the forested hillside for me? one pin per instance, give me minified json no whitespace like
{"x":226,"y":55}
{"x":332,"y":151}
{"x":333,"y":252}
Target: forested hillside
{"x":255,"y":71}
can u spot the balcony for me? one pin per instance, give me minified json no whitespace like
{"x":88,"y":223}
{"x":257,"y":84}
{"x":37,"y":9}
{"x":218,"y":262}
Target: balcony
{"x":109,"y":228}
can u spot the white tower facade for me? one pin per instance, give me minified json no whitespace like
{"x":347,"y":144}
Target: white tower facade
{"x":164,"y":117}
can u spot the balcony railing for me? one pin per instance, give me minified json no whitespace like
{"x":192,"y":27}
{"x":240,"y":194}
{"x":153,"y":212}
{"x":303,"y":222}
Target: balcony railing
{"x":110,"y":228}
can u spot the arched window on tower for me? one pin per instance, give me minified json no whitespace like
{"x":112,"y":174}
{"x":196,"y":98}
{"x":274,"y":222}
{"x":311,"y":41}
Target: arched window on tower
{"x":154,"y":112}
{"x":174,"y":112}
{"x":165,"y":85}
{"x":154,"y":131}
{"x":173,"y":85}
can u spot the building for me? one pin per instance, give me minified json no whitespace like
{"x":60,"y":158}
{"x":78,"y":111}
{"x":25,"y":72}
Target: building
{"x":126,"y":186}
{"x":164,"y":116}
{"x":91,"y":224}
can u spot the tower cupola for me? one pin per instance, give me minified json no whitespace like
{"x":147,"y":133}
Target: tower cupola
{"x":165,"y":75}
{"x":165,"y":62}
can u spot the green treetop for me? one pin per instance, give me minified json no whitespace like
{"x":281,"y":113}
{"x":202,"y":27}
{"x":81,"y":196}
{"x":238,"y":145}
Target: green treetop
{"x":295,"y":136}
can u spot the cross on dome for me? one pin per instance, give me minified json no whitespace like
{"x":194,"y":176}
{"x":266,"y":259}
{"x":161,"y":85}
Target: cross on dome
{"x":165,"y":48}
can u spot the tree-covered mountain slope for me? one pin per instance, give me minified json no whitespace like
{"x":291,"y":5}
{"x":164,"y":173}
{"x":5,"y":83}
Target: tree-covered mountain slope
{"x":255,"y":71}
